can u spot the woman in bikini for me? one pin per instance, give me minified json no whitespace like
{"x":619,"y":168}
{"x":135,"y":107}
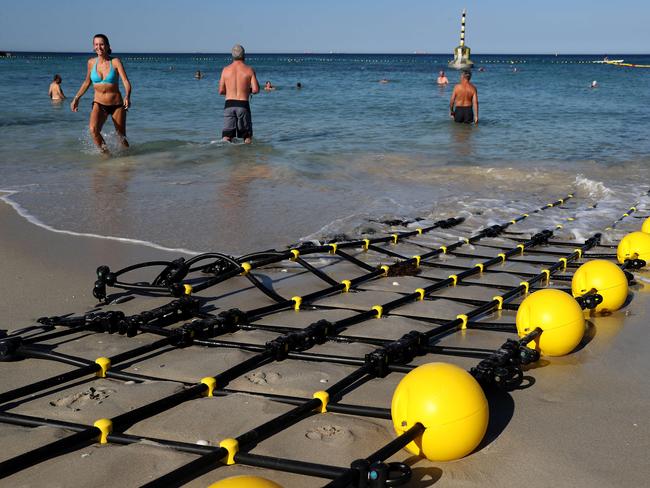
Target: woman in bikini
{"x":103,"y":73}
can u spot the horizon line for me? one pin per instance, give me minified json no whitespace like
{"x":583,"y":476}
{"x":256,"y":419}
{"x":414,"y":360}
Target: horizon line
{"x":411,"y":53}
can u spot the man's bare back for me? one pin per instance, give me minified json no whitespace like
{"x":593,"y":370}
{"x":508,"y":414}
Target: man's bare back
{"x":464,"y":93}
{"x":463,"y":106}
{"x":238,"y":81}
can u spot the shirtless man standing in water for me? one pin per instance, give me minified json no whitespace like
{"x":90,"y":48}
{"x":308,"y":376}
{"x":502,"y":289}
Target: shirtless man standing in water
{"x":237,"y":83}
{"x":55,"y":92}
{"x":463,"y":106}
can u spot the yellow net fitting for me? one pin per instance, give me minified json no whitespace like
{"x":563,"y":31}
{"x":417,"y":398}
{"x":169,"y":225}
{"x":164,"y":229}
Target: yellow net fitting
{"x":379,"y":309}
{"x":246,"y":267}
{"x":211,"y":383}
{"x":106,"y":427}
{"x":324,"y":398}
{"x":104,"y":364}
{"x":464,"y":320}
{"x":421,"y":292}
{"x":232,"y":446}
{"x":499,"y":299}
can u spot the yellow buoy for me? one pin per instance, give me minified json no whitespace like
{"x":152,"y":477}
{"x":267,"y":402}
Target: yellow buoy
{"x":646,"y":226}
{"x":245,"y":482}
{"x":634,"y":245}
{"x":606,"y":278}
{"x":558,"y":315}
{"x":450,"y":404}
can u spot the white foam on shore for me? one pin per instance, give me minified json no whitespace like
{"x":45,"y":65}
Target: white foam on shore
{"x":5,"y":197}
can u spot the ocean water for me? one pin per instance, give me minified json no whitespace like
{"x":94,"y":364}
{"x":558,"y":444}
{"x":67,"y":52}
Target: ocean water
{"x":329,"y":159}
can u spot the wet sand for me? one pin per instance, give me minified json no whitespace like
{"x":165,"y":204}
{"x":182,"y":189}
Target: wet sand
{"x":584,"y":421}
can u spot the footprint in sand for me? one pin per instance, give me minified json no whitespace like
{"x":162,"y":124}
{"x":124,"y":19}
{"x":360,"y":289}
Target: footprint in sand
{"x":262,"y":378}
{"x":79,"y":400}
{"x":331,"y":434}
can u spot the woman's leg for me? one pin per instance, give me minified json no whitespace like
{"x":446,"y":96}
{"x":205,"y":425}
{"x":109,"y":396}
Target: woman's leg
{"x":119,"y":121}
{"x":97,"y":119}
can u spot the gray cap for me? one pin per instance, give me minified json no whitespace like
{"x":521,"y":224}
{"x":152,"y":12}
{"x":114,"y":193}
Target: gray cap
{"x":238,"y":52}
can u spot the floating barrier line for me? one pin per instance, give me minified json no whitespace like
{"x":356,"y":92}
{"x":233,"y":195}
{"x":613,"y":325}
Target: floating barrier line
{"x":264,"y":431}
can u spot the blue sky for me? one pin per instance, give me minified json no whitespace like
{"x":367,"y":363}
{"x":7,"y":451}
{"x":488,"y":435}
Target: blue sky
{"x":362,"y":26}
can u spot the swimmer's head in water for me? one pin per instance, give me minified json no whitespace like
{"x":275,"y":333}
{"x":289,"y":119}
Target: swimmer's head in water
{"x":466,"y":74}
{"x":107,"y":44}
{"x":57,"y":79}
{"x":442,"y":73}
{"x":238,"y":52}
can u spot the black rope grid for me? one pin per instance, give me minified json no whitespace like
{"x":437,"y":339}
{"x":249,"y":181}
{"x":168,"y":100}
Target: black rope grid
{"x":501,"y":368}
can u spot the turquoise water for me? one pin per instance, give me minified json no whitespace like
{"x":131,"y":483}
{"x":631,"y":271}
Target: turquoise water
{"x":330,"y":158}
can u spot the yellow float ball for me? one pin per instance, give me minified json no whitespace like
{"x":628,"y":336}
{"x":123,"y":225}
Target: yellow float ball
{"x":606,"y":278}
{"x":450,"y":404}
{"x":634,"y":245}
{"x":245,"y":482}
{"x":646,"y":226}
{"x":558,"y":315}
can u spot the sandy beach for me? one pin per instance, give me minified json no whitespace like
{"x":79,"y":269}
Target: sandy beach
{"x":582,"y":421}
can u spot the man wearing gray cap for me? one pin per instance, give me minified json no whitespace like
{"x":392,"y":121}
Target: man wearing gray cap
{"x":237,"y":83}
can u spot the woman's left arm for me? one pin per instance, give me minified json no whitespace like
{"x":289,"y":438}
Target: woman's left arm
{"x":125,"y":82}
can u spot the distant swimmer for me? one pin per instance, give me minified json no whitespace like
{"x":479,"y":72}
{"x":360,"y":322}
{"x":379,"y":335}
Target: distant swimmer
{"x":268,"y":86}
{"x":55,"y":92}
{"x":198,"y":75}
{"x":298,"y":86}
{"x":103,"y":72}
{"x":442,"y":78}
{"x":237,"y":83}
{"x":594,"y":84}
{"x":481,"y":69}
{"x":463,"y":106}
{"x":383,"y":81}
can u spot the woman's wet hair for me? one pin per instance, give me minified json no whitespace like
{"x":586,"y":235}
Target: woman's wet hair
{"x":106,"y":41}
{"x":57,"y":78}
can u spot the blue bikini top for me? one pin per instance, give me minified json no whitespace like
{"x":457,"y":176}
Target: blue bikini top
{"x":111,"y":77}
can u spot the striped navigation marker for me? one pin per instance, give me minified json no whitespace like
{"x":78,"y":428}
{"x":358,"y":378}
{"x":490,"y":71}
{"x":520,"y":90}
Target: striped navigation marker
{"x":462,"y":28}
{"x":461,"y":53}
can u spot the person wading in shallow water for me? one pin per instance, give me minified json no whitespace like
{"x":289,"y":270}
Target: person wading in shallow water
{"x":237,"y":83}
{"x":55,"y":92}
{"x":103,"y":72}
{"x":463,"y":106}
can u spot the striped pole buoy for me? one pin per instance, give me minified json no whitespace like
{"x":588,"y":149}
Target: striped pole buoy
{"x":461,"y":53}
